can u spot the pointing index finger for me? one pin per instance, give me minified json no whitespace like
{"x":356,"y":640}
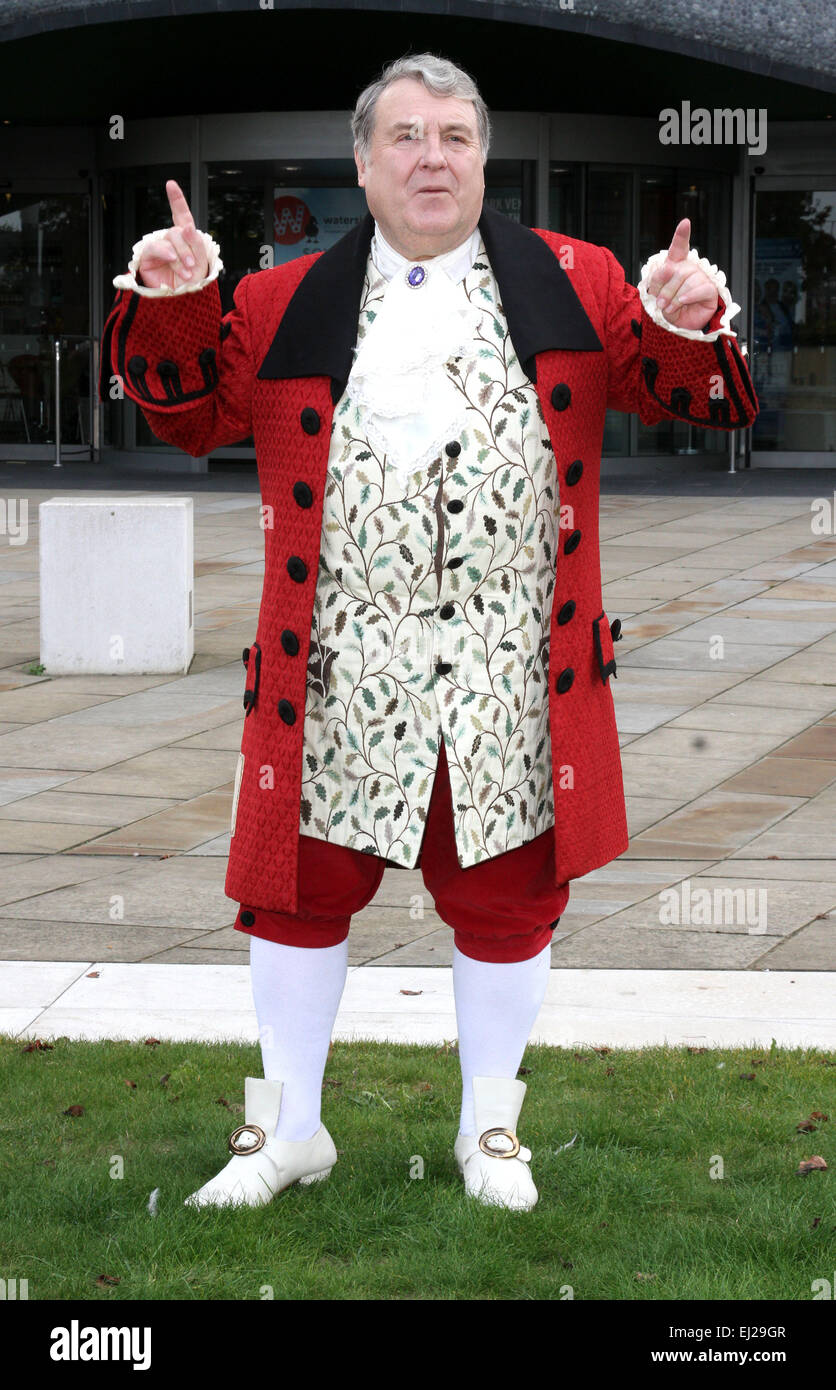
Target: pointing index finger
{"x":680,"y":242}
{"x":181,"y":214}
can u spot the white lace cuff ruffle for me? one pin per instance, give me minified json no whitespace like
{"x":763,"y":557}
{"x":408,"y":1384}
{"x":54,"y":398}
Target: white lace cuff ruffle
{"x":717,"y":276}
{"x":128,"y":281}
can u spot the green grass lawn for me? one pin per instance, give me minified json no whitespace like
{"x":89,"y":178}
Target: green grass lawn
{"x":629,"y":1211}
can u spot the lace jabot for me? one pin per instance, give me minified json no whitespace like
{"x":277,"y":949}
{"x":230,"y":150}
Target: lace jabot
{"x":412,"y":406}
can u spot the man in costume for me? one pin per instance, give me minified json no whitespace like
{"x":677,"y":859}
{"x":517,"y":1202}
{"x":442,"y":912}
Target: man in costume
{"x":428,"y":685}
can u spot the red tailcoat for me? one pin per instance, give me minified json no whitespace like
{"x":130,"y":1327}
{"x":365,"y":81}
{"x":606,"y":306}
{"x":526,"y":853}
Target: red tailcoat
{"x":276,"y":366}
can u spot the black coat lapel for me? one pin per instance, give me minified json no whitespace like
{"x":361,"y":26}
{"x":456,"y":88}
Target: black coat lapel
{"x":318,"y":330}
{"x":540,"y":303}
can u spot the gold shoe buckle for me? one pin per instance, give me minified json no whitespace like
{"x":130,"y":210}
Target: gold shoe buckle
{"x":487,"y":1148}
{"x":235,"y":1145}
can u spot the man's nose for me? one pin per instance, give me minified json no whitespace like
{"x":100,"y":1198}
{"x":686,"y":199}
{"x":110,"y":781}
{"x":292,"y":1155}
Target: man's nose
{"x":433,"y":152}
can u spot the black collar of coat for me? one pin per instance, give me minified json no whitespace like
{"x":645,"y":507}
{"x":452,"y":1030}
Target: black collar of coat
{"x":318,"y":330}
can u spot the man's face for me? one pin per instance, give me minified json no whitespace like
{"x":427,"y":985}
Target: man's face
{"x":424,"y":177}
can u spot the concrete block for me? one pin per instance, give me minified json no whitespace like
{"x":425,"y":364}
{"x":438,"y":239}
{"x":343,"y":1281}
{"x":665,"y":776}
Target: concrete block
{"x":117,"y":583}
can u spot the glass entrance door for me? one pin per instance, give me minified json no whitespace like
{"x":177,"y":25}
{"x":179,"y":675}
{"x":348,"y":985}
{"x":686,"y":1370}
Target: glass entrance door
{"x":44,"y":296}
{"x":794,"y":324}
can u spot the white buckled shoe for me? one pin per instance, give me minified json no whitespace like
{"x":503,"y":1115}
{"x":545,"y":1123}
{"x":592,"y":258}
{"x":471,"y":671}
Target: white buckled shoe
{"x":263,"y":1165}
{"x":495,"y":1165}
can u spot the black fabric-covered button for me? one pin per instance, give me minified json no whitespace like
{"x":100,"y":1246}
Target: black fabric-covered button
{"x":137,"y":365}
{"x":287,"y":712}
{"x":247,"y":918}
{"x":302,"y":494}
{"x":636,"y":327}
{"x":290,"y":642}
{"x":566,"y":612}
{"x":572,"y":542}
{"x":615,"y":630}
{"x":447,"y":611}
{"x":564,"y":680}
{"x":443,"y":667}
{"x":454,"y":564}
{"x":457,"y":505}
{"x":245,"y":655}
{"x":573,"y":472}
{"x":453,"y":449}
{"x":297,"y":569}
{"x":310,"y":420}
{"x":561,"y":396}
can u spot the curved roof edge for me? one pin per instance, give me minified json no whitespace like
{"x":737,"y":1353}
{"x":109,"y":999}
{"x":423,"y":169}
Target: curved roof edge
{"x":648,"y":23}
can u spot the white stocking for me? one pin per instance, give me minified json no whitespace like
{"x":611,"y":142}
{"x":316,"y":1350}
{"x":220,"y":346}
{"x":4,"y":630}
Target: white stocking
{"x":297,"y":992}
{"x":496,"y":1007}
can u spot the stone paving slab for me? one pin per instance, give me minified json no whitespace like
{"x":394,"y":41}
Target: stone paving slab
{"x":82,"y":940}
{"x":738,"y":718}
{"x":67,"y":806}
{"x":118,"y":789}
{"x":645,"y":948}
{"x":169,"y":772}
{"x":179,"y":891}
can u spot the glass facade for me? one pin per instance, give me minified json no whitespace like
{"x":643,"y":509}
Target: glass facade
{"x":44,"y":295}
{"x":633,"y":212}
{"x":794,"y":330}
{"x":266,"y":211}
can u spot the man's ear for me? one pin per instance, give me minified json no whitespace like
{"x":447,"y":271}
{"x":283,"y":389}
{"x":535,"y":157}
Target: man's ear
{"x":361,"y":167}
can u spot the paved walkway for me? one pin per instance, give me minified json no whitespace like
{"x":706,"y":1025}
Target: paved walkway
{"x":115,"y":792}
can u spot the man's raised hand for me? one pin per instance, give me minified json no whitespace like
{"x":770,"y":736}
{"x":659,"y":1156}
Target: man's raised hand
{"x":177,"y":256}
{"x":686,"y":296}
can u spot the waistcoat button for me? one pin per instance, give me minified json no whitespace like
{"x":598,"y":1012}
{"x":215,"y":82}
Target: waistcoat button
{"x":447,"y":611}
{"x":290,"y":642}
{"x":457,"y":505}
{"x":564,"y":680}
{"x":297,"y":569}
{"x":561,"y":396}
{"x":566,"y":612}
{"x":573,"y":472}
{"x":572,"y":542}
{"x":310,"y":420}
{"x":302,"y":494}
{"x":453,"y":449}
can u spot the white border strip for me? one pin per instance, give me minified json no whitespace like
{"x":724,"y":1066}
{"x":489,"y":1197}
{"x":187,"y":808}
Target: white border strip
{"x":582,"y":1008}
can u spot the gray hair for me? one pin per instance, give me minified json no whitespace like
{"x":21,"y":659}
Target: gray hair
{"x":439,"y":76}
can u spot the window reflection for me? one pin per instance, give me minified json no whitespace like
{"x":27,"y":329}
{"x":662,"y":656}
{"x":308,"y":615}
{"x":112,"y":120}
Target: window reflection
{"x":44,"y":294}
{"x":794,"y":321}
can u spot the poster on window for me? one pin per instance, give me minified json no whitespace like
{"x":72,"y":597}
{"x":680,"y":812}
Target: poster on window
{"x":312,"y":219}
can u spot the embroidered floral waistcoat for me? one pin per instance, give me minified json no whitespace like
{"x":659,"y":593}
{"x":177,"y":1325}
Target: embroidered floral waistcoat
{"x":432,"y":616}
